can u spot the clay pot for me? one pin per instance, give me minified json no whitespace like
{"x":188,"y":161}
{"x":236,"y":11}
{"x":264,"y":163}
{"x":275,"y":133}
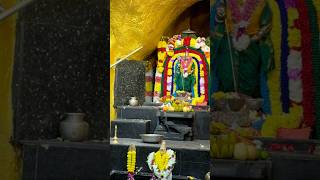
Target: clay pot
{"x":133,"y":101}
{"x":74,"y":128}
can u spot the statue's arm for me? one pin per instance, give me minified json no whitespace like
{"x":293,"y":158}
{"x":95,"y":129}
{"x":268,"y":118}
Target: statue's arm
{"x":265,"y":23}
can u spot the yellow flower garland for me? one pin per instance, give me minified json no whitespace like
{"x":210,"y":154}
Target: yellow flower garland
{"x":131,"y":161}
{"x":278,"y":119}
{"x":294,"y":35}
{"x":274,"y":76}
{"x":161,"y":160}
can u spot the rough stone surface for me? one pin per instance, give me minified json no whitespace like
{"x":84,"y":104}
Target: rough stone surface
{"x":130,"y":82}
{"x":60,"y":66}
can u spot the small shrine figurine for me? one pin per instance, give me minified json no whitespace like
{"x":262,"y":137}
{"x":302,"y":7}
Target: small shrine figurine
{"x":131,"y":162}
{"x":162,"y":162}
{"x":184,"y":75}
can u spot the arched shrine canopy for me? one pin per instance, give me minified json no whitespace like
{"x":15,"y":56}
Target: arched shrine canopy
{"x":183,"y":66}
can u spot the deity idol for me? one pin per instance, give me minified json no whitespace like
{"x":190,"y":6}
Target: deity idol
{"x":184,"y":77}
{"x":243,"y":52}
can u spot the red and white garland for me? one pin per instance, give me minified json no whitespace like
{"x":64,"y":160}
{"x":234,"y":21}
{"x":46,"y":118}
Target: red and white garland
{"x":241,"y":16}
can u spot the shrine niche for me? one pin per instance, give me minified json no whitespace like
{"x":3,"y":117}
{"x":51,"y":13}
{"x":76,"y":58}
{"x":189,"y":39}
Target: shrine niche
{"x":183,"y":69}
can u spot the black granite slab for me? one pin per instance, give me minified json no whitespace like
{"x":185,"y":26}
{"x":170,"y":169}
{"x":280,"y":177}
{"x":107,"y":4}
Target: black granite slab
{"x":129,"y":82}
{"x":242,"y":169}
{"x":139,"y":112}
{"x":201,"y":125}
{"x":53,"y":160}
{"x":295,"y":166}
{"x":130,"y":128}
{"x":61,"y":65}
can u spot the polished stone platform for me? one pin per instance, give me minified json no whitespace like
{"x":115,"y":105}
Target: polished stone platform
{"x":63,"y":160}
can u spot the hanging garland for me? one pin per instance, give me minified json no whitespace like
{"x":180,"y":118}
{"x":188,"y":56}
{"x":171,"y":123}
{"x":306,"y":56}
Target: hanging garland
{"x":307,"y":103}
{"x":315,"y":61}
{"x":294,"y":58}
{"x":278,"y":119}
{"x":284,"y":57}
{"x":274,"y":75}
{"x":131,"y":162}
{"x":271,"y":124}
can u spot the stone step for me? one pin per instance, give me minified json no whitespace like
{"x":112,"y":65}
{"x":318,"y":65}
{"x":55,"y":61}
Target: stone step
{"x":130,"y":128}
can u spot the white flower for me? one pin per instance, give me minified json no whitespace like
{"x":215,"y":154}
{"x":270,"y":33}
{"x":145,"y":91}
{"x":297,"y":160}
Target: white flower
{"x":205,"y":48}
{"x":158,"y":74}
{"x":241,"y":43}
{"x":198,"y":45}
{"x":295,"y":89}
{"x":294,"y":60}
{"x":243,"y":24}
{"x":201,"y":81}
{"x":178,"y":43}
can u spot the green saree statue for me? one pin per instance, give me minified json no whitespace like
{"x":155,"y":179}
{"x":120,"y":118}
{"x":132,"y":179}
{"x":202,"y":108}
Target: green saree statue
{"x":184,"y":77}
{"x":241,"y":45}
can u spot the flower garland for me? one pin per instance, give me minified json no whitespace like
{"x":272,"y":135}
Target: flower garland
{"x":294,"y":58}
{"x":278,"y":119}
{"x":317,"y":6}
{"x":162,"y":164}
{"x":273,"y":77}
{"x":290,"y":4}
{"x":240,"y":17}
{"x":245,"y":15}
{"x":286,"y":120}
{"x":307,"y":102}
{"x":315,"y":61}
{"x":284,"y":57}
{"x":294,"y":73}
{"x":131,"y":162}
{"x":161,"y":159}
{"x":162,"y":54}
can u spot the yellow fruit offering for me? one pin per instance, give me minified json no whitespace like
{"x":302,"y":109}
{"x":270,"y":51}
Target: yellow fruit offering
{"x":240,"y":151}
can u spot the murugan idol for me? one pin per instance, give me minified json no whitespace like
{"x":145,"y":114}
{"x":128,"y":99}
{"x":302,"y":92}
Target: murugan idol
{"x":243,"y":52}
